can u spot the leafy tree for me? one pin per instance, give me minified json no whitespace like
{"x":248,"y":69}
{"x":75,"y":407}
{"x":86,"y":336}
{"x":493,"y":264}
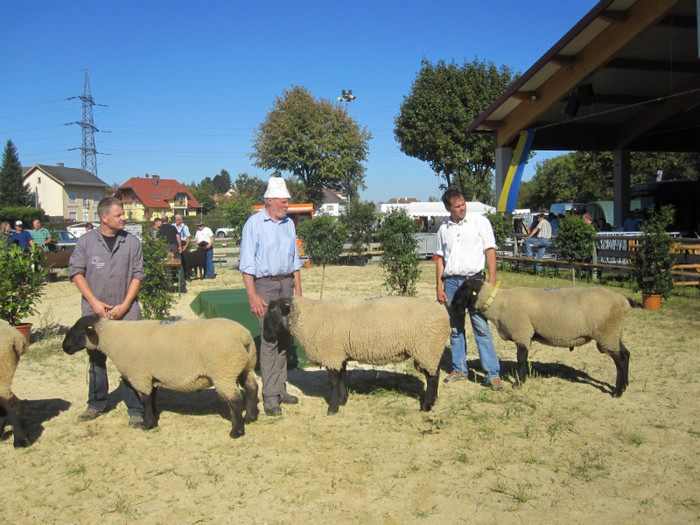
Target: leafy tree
{"x":399,"y":260}
{"x":444,"y":100}
{"x":359,"y":218}
{"x":204,"y":197}
{"x":502,"y":226}
{"x":251,"y":187}
{"x":236,"y":212}
{"x":323,"y":239}
{"x":584,"y":176}
{"x":653,"y":260}
{"x":12,"y":191}
{"x":153,"y":294}
{"x":575,"y":241}
{"x":21,"y":285}
{"x":316,"y":141}
{"x":221,"y":183}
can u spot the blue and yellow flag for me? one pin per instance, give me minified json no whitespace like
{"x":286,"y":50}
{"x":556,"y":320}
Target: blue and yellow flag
{"x":511,"y":186}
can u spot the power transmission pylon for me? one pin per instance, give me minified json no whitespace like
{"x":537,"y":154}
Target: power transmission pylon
{"x":88,"y":158}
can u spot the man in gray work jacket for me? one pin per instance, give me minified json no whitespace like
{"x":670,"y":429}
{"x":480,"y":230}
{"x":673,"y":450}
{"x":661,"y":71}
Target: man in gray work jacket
{"x":107,"y":268}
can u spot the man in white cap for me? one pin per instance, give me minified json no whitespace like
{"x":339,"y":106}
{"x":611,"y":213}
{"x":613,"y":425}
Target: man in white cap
{"x":270,"y":264}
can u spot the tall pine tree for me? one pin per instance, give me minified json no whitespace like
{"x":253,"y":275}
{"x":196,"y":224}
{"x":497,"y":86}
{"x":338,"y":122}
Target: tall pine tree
{"x":12,"y":191}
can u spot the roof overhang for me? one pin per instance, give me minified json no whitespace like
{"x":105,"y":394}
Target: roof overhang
{"x":626,"y":76}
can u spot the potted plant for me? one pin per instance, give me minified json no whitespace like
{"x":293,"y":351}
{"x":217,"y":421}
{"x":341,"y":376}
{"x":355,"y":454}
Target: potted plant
{"x":653,"y":260}
{"x":22,"y":280}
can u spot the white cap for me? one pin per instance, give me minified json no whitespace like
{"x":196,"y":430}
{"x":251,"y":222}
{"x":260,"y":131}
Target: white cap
{"x":277,"y":189}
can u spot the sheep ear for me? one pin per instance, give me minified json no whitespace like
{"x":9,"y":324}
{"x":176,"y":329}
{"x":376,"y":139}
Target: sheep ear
{"x":90,"y":329}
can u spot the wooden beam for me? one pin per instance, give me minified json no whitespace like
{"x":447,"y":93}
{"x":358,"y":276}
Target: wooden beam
{"x":650,"y":116}
{"x":642,"y":15}
{"x":614,"y":16}
{"x":565,"y":60}
{"x":654,"y":65}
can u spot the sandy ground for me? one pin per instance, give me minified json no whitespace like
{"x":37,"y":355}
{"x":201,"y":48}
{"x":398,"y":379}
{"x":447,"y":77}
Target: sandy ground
{"x":558,"y":450}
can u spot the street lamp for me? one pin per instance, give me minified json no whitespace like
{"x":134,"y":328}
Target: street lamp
{"x":346,"y":96}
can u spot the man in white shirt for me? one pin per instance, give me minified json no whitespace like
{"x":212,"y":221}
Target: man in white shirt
{"x":464,"y":244}
{"x":206,"y":236}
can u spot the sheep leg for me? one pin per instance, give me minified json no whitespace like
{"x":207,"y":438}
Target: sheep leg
{"x":522,"y":351}
{"x":334,"y":380}
{"x":13,"y":409}
{"x":431,"y":391}
{"x":342,"y":389}
{"x":237,"y":422}
{"x":622,"y":360}
{"x":250,"y":386}
{"x":150,"y":419}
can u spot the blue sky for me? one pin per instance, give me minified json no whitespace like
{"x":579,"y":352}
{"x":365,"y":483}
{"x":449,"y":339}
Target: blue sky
{"x":187,"y":83}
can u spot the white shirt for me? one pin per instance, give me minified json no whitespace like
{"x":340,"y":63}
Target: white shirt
{"x":544,"y":229}
{"x":462,"y":244}
{"x":205,"y":234}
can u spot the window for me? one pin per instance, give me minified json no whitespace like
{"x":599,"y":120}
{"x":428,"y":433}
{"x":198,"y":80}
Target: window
{"x":85,"y":199}
{"x":73,"y":215}
{"x":72,"y":196}
{"x":96,"y":197}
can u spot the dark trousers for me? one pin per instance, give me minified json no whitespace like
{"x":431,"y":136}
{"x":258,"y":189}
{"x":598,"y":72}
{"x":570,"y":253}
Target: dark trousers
{"x":98,"y":388}
{"x":273,"y":356}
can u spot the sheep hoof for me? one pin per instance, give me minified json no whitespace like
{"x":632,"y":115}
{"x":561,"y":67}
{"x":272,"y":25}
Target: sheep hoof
{"x":250,"y":418}
{"x":21,"y":443}
{"x":235,"y":434}
{"x":332,"y":411}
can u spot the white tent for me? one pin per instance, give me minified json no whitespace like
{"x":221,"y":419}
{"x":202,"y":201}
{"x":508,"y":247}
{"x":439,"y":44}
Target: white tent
{"x":435,"y":210}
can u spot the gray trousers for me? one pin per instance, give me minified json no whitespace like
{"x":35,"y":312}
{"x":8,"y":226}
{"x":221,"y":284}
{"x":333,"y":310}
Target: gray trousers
{"x":273,"y":356}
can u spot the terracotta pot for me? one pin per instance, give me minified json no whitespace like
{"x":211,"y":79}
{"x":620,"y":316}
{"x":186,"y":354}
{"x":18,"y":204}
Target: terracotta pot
{"x":651,"y":302}
{"x":25,"y":329}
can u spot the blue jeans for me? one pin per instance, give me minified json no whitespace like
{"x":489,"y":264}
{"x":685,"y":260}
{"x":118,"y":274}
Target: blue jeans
{"x":209,"y":259}
{"x":482,"y":335}
{"x":535,"y":241}
{"x":98,"y":387}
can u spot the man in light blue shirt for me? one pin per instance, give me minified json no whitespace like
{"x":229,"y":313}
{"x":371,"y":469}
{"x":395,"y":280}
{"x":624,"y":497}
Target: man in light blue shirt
{"x":270,"y":264}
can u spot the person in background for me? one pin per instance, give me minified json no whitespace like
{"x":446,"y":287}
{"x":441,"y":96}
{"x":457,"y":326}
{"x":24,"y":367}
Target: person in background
{"x":5,"y":241}
{"x":88,"y":227}
{"x":40,"y":236}
{"x":540,"y":236}
{"x":631,"y":223}
{"x":184,"y":233}
{"x":206,"y":236}
{"x":464,"y":246}
{"x":270,"y":265}
{"x":107,"y":268}
{"x":554,"y":223}
{"x":172,"y":237}
{"x":21,"y":237}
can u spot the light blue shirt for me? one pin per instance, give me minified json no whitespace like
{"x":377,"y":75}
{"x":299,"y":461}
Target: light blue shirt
{"x":268,"y":248}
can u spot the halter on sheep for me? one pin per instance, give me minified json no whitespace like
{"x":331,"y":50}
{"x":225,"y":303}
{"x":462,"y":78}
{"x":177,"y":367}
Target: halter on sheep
{"x":566,"y":317}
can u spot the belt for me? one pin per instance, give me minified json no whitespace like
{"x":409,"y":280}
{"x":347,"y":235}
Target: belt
{"x":480,"y":276}
{"x":275,"y":277}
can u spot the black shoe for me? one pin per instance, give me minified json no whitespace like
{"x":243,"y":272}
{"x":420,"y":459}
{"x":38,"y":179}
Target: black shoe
{"x":271,"y":404}
{"x":288,"y":399}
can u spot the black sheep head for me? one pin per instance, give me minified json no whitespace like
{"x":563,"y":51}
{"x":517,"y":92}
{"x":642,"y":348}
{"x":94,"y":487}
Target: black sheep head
{"x":275,"y":322}
{"x":81,"y":335}
{"x":466,"y":296}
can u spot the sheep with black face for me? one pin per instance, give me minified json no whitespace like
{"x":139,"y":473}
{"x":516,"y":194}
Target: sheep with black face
{"x":374,"y":331}
{"x":565,"y":317}
{"x":184,"y":355}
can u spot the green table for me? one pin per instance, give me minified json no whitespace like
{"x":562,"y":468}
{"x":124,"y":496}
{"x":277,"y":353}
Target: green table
{"x":233,"y":304}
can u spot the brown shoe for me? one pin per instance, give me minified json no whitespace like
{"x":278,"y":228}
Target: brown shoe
{"x":454,"y":376}
{"x":89,"y":415}
{"x":497,"y":384}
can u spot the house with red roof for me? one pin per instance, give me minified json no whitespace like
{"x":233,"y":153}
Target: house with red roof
{"x":151,"y":196}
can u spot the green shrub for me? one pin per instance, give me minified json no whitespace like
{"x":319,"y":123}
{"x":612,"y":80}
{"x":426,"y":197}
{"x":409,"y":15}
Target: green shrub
{"x":652,"y":262}
{"x":359,"y":218}
{"x":323,"y":239}
{"x":502,"y":225}
{"x":154,"y":297}
{"x":399,"y":260}
{"x":575,"y":240}
{"x":22,"y":280}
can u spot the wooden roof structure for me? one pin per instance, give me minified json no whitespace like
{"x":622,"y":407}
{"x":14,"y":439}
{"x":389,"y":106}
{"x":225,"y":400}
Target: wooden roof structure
{"x":625,"y":77}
